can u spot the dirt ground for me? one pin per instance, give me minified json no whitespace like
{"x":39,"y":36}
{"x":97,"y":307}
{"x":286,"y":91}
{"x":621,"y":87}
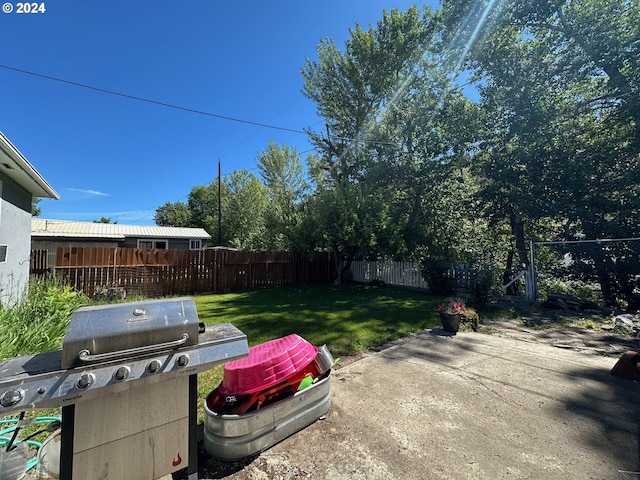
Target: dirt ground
{"x":588,"y":331}
{"x":585,"y":332}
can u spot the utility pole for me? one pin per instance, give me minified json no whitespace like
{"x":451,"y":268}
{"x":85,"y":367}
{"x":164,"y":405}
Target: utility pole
{"x":219,"y":206}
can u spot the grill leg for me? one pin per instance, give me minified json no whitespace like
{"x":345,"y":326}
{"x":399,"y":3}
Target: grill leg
{"x":192,"y":469}
{"x":66,"y":442}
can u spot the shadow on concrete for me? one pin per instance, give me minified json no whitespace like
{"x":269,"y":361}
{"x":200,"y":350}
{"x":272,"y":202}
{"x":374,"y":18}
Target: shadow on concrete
{"x":614,"y":405}
{"x":610,"y":404}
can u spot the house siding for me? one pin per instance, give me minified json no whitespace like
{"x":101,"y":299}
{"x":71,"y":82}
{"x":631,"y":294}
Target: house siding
{"x":172,"y":243}
{"x":41,"y":244}
{"x":15,"y":228}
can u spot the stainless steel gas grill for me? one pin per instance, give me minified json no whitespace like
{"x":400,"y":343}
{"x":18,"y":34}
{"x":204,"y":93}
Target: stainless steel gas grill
{"x":126,"y":381}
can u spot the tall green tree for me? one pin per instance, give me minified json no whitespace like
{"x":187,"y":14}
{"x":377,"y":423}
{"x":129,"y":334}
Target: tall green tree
{"x":552,"y":72}
{"x":389,"y":111}
{"x":203,"y":205}
{"x":244,"y":203}
{"x":347,"y":220}
{"x":283,"y":175}
{"x":421,"y":167}
{"x":240,"y":211}
{"x":35,"y":209}
{"x":352,"y":89}
{"x":173,"y":214}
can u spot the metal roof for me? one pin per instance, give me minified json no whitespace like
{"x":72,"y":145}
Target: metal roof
{"x":16,"y":167}
{"x":41,"y":227}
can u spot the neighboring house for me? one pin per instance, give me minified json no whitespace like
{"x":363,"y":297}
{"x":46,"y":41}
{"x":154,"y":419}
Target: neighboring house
{"x":51,"y":234}
{"x":19,"y":183}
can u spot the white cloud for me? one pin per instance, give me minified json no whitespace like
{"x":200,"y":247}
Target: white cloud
{"x":88,"y":192}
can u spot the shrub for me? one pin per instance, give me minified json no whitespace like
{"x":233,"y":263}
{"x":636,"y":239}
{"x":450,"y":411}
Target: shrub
{"x":437,"y":274}
{"x":485,"y":282}
{"x":574,"y":288}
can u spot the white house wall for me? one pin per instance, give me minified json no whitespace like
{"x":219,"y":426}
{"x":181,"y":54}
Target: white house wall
{"x":15,"y":233}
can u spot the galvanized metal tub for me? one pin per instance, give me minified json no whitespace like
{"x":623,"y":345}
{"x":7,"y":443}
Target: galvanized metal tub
{"x":230,"y":437}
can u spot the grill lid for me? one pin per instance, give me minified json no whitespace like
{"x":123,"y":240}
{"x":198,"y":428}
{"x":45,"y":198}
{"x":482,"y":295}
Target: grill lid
{"x":109,"y":332}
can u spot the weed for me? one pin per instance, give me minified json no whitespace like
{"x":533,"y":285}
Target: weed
{"x":38,"y":323}
{"x":586,"y":323}
{"x":466,"y":327}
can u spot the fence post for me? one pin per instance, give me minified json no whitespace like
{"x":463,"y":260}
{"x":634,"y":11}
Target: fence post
{"x":532,"y":283}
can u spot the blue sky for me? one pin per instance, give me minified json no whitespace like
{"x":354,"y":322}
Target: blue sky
{"x":109,"y":156}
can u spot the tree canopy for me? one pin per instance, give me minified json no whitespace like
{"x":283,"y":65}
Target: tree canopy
{"x":454,"y":135}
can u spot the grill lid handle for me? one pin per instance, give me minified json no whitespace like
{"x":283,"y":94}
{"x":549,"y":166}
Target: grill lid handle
{"x":86,"y":356}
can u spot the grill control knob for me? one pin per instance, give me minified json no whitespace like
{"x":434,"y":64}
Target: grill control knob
{"x":11,"y":397}
{"x":154,"y":366}
{"x":121,"y":373}
{"x":182,"y":360}
{"x":85,"y":380}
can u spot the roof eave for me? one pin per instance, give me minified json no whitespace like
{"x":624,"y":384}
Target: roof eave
{"x":17,"y":167}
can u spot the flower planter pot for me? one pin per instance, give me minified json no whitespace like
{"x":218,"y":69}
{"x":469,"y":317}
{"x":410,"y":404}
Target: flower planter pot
{"x":451,"y":321}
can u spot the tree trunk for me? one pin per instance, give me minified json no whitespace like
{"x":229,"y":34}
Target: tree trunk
{"x":337,"y":260}
{"x":517,"y":229}
{"x":509,"y":274}
{"x":615,"y":284}
{"x":606,"y":284}
{"x":345,"y":274}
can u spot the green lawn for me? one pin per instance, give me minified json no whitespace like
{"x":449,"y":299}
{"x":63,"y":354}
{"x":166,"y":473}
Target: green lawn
{"x":347,"y":318}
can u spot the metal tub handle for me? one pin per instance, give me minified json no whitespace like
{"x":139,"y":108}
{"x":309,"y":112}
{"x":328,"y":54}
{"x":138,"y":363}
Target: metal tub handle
{"x":86,"y":356}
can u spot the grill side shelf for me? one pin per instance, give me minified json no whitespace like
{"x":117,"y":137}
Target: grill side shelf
{"x":40,"y":363}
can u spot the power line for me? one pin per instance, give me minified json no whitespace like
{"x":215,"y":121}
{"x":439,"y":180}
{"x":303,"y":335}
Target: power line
{"x":184,"y":109}
{"x":155,"y":102}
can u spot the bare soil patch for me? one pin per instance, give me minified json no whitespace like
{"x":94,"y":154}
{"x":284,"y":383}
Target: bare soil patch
{"x":590,"y":330}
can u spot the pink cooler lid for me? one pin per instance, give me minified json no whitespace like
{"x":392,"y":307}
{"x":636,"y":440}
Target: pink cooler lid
{"x":268,"y":364}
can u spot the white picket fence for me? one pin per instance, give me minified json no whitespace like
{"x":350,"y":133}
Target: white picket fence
{"x":403,"y":274}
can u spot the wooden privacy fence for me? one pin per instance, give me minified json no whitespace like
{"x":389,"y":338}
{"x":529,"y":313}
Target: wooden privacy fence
{"x":39,"y":262}
{"x":178,"y":272}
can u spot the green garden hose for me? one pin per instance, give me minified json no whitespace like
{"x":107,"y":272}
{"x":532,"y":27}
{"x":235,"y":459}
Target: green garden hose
{"x":6,"y":440}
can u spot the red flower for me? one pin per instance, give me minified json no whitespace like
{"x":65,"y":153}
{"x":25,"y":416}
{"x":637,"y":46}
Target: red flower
{"x":453,"y":307}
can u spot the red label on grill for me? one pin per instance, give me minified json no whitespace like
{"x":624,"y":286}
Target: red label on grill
{"x":177,"y":461}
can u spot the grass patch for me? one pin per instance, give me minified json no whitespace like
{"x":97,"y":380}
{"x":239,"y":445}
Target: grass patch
{"x":347,"y":318}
